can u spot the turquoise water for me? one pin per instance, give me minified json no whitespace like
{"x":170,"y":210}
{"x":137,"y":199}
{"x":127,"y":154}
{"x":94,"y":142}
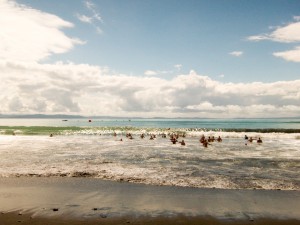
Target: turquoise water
{"x":44,"y":126}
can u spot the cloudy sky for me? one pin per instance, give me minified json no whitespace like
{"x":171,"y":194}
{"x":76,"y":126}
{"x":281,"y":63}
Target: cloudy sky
{"x":192,"y":58}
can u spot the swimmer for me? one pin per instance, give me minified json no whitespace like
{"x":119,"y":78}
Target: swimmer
{"x":219,"y":139}
{"x":173,"y":137}
{"x":202,"y":139}
{"x":51,"y":135}
{"x":259,"y":140}
{"x":246,"y":139}
{"x":182,"y":142}
{"x":129,"y":136}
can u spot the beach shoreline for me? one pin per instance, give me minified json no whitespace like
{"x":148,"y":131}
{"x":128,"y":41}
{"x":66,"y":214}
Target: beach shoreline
{"x":35,"y":200}
{"x":12,"y":218}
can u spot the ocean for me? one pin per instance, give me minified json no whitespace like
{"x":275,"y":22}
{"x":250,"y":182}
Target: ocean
{"x":80,"y":148}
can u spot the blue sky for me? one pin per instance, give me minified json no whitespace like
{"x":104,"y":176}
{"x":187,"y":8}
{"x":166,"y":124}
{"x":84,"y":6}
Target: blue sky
{"x":199,"y":35}
{"x":204,"y":57}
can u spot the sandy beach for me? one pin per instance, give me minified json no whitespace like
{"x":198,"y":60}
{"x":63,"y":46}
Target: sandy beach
{"x":35,"y":200}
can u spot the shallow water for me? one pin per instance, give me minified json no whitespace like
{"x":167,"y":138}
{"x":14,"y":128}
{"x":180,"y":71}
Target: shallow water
{"x":231,"y":164}
{"x":81,"y":148}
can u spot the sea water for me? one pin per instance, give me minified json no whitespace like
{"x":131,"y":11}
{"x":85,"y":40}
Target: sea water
{"x":80,"y":148}
{"x":263,"y":123}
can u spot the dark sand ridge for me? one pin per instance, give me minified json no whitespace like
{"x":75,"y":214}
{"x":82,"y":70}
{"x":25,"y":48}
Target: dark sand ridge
{"x":91,"y":201}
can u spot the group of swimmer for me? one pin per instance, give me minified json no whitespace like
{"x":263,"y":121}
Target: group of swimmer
{"x":205,"y":141}
{"x":175,"y":136}
{"x":247,"y":139}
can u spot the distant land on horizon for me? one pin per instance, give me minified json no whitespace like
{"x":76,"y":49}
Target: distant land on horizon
{"x":65,"y":116}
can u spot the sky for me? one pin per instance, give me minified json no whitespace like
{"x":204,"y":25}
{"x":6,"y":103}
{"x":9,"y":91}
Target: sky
{"x":148,"y":58}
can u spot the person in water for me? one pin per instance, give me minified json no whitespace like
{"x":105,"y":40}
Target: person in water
{"x":205,"y":143}
{"x":182,"y":142}
{"x":246,"y":139}
{"x":259,"y":140}
{"x":202,"y":138}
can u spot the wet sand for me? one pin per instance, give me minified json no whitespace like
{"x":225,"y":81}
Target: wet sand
{"x":13,"y":218}
{"x":35,"y":200}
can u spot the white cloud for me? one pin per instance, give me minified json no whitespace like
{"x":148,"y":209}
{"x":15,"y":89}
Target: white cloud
{"x":291,"y":55}
{"x":91,"y":90}
{"x":93,"y":10}
{"x":236,"y":53}
{"x":150,"y":73}
{"x":178,"y":66}
{"x":89,"y":4}
{"x":285,"y":34}
{"x":156,"y":72}
{"x":27,"y":34}
{"x":289,"y":33}
{"x":84,"y":18}
{"x":93,"y":18}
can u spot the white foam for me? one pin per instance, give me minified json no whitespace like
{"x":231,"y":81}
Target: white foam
{"x":230,"y":164}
